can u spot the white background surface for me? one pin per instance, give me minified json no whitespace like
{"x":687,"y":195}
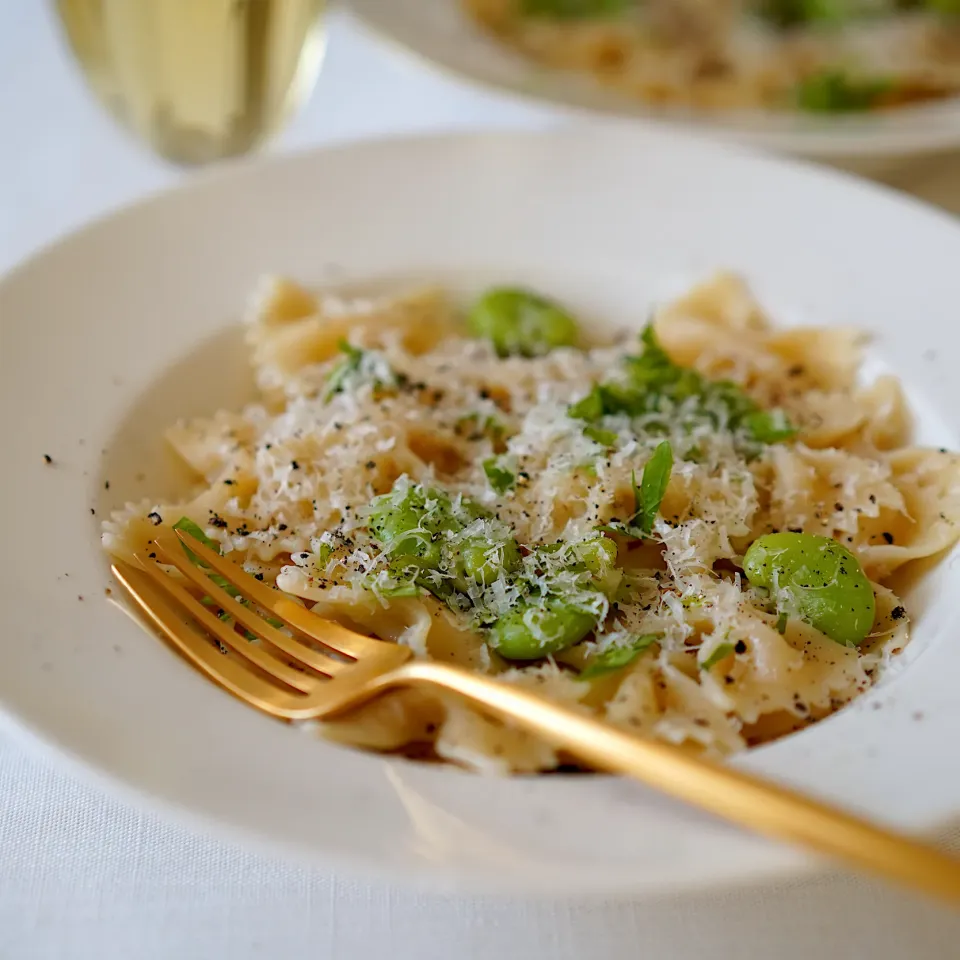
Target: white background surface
{"x":83,"y":875}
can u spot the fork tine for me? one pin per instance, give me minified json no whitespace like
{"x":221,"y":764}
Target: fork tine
{"x":238,"y":680}
{"x":225,"y":633}
{"x":330,"y":634}
{"x":294,"y":649}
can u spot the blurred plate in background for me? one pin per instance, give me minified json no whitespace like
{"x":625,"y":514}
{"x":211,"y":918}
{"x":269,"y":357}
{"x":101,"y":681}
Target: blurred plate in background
{"x":440,"y":33}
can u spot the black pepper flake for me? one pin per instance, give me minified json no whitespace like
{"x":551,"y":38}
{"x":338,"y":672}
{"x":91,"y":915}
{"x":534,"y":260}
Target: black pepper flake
{"x":838,"y":507}
{"x":258,"y":576}
{"x":47,"y":458}
{"x":93,"y":512}
{"x":371,"y":464}
{"x":152,"y":556}
{"x":294,"y":464}
{"x":155,"y":518}
{"x":106,"y":485}
{"x":217,"y":521}
{"x":795,"y":371}
{"x":888,"y":537}
{"x":229,"y":483}
{"x":740,"y":647}
{"x":282,"y":526}
{"x":898,"y":613}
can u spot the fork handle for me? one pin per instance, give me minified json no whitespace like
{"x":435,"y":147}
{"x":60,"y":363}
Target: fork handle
{"x":735,"y":795}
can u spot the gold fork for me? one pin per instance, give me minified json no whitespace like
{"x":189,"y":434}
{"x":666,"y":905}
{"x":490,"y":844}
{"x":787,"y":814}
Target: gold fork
{"x":336,"y":669}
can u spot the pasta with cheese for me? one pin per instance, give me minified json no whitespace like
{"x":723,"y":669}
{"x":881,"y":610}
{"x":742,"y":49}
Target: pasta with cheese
{"x":824,"y":56}
{"x":610,"y":489}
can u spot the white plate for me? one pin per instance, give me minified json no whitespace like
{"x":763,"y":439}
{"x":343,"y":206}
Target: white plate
{"x":116,"y":331}
{"x":438,"y":32}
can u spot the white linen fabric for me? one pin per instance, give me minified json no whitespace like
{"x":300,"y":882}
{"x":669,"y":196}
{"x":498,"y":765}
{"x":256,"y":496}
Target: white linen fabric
{"x":83,"y":875}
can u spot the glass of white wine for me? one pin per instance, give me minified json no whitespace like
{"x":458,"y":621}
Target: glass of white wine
{"x":198,"y":80}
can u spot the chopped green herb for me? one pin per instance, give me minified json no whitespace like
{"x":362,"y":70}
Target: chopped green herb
{"x":590,"y":408}
{"x":793,"y":13}
{"x":720,"y":652}
{"x":833,"y":91}
{"x":606,"y":438}
{"x":648,"y":495}
{"x":769,"y":426}
{"x":191,"y":529}
{"x":653,"y":485}
{"x":360,"y":368}
{"x":349,"y":364}
{"x":655,"y":384}
{"x":616,"y":658}
{"x":574,"y":9}
{"x":501,"y":478}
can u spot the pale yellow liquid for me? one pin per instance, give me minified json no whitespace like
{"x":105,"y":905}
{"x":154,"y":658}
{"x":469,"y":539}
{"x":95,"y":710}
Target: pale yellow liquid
{"x":198,"y":79}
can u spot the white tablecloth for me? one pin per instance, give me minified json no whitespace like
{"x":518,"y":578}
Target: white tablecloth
{"x":83,"y":875}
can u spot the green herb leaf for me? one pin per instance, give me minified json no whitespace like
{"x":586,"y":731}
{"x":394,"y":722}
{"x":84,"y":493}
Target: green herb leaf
{"x":616,"y":658}
{"x":769,"y":426}
{"x":833,"y":91}
{"x":655,"y":384}
{"x":191,"y":529}
{"x":501,"y":478}
{"x":720,"y":652}
{"x":623,"y":529}
{"x":574,"y":9}
{"x":606,"y":438}
{"x":647,"y":495}
{"x":782,"y":624}
{"x":349,"y":364}
{"x":653,"y":485}
{"x":590,"y":408}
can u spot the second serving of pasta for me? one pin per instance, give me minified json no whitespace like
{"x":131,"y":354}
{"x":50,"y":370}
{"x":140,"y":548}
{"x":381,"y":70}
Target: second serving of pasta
{"x":689,"y":532}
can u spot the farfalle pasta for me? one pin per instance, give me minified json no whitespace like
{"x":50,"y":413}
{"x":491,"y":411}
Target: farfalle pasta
{"x":568,"y":516}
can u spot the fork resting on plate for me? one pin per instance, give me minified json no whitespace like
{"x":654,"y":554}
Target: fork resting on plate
{"x":317,"y":669}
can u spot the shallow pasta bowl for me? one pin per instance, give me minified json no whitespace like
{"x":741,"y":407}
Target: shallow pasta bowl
{"x":103,"y":333}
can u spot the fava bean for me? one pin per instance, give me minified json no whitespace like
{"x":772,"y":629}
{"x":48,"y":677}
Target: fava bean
{"x":482,"y":561}
{"x":536,"y":628}
{"x":816,"y":579}
{"x":518,"y":322}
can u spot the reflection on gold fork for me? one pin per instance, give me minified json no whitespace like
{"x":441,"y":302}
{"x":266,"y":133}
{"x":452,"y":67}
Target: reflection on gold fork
{"x":315,"y":669}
